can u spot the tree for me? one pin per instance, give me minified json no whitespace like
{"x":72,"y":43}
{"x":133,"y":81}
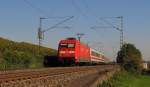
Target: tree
{"x":130,"y":58}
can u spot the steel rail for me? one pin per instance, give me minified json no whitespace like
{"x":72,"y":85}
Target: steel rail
{"x":24,"y":75}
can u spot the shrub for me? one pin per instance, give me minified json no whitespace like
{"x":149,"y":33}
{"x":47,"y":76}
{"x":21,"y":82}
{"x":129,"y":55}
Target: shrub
{"x":17,"y":59}
{"x":130,"y":58}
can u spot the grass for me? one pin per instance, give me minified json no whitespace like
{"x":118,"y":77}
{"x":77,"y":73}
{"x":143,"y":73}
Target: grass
{"x":126,"y":79}
{"x":142,"y":81}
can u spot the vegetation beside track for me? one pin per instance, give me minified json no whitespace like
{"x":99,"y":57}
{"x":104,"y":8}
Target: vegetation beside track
{"x":127,"y":79}
{"x":14,"y":55}
{"x":130,"y":60}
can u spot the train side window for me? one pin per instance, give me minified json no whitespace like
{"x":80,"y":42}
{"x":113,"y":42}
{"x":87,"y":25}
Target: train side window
{"x":95,"y":54}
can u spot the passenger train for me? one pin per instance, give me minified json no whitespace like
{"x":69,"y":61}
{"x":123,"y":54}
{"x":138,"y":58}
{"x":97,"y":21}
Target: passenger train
{"x":73,"y":51}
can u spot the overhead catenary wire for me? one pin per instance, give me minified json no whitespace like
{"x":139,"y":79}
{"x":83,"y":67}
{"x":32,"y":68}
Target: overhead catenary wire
{"x":41,"y":32}
{"x":89,"y":10}
{"x":107,"y":22}
{"x":37,"y":9}
{"x":41,"y":11}
{"x":74,"y":4}
{"x":120,"y":29}
{"x":59,"y":23}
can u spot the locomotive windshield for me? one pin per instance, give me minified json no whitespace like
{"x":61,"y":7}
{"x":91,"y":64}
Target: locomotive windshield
{"x":70,"y":45}
{"x":67,"y":45}
{"x":63,"y":46}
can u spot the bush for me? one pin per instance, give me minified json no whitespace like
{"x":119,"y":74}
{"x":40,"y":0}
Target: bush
{"x":130,"y":58}
{"x":17,"y":59}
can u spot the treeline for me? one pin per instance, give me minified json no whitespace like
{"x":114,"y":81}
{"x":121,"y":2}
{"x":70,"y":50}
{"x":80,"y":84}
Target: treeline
{"x":15,"y":55}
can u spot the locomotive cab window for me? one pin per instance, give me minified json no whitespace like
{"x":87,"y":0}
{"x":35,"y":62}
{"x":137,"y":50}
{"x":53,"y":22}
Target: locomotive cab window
{"x":71,"y":45}
{"x":63,"y":46}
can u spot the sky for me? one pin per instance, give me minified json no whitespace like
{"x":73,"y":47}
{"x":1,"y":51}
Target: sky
{"x":19,"y":21}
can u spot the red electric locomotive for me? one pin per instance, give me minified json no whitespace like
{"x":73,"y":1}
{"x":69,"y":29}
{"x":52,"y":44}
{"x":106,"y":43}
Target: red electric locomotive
{"x":73,"y":51}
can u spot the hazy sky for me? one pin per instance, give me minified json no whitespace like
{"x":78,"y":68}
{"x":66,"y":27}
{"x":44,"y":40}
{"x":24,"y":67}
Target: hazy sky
{"x":19,"y":21}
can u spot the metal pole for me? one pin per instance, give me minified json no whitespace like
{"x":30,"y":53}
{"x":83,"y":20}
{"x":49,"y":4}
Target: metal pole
{"x":40,"y":33}
{"x":121,"y":32}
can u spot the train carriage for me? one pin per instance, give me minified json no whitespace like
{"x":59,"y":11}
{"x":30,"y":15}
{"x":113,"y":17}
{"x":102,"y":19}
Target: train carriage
{"x":96,"y":56}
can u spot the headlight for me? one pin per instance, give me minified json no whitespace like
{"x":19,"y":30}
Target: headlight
{"x":62,"y":52}
{"x":71,"y":52}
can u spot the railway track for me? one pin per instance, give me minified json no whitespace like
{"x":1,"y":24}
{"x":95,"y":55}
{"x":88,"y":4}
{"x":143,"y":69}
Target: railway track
{"x":20,"y":75}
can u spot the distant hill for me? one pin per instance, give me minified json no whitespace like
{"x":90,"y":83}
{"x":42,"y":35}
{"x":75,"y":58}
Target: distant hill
{"x":22,"y":55}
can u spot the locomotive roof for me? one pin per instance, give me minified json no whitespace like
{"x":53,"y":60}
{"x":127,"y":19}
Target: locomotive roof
{"x":71,"y":38}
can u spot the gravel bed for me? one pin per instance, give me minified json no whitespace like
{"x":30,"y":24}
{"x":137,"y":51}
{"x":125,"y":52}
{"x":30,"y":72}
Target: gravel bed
{"x":73,"y":79}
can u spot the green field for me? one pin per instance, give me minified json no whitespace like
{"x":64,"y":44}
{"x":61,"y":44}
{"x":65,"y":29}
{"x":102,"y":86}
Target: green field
{"x":125,"y":79}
